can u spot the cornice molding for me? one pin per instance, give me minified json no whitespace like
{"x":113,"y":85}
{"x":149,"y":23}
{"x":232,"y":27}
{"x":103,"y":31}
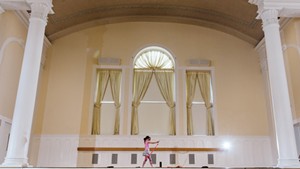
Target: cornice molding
{"x":244,"y":27}
{"x":191,"y":21}
{"x":283,"y":22}
{"x":14,"y":5}
{"x":286,"y":8}
{"x":160,"y":11}
{"x":24,"y":4}
{"x":23,"y":17}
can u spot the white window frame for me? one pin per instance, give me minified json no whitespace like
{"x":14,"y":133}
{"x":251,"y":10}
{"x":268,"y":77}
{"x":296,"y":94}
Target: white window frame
{"x":211,"y":69}
{"x":93,"y":90}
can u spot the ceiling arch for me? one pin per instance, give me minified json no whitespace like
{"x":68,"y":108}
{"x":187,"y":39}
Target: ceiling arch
{"x":235,"y":17}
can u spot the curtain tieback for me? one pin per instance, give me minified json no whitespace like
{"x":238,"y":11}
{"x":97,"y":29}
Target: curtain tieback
{"x":189,"y":106}
{"x":135,"y":104}
{"x":172,"y":106}
{"x":118,"y":106}
{"x":209,"y":107}
{"x":97,"y":105}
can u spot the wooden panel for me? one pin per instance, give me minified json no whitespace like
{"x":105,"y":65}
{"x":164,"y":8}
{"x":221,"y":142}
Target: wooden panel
{"x":142,"y":149}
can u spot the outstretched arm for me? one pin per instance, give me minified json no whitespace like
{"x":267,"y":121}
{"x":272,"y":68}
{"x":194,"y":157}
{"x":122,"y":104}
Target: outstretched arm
{"x":153,"y":142}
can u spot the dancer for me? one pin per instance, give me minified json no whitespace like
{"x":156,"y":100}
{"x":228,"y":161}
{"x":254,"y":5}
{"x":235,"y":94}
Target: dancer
{"x":146,"y":153}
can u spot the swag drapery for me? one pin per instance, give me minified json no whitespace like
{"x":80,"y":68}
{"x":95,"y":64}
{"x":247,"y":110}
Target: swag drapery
{"x":142,"y":79}
{"x":103,"y":76}
{"x":203,"y":79}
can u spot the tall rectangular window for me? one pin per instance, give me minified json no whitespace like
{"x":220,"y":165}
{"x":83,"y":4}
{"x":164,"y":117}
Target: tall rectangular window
{"x":106,"y":109}
{"x":199,"y":94}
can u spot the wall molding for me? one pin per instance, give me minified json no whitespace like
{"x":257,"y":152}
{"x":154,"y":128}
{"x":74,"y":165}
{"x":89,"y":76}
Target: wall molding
{"x":8,"y":41}
{"x":287,"y":46}
{"x":5,"y":119}
{"x":296,"y":121}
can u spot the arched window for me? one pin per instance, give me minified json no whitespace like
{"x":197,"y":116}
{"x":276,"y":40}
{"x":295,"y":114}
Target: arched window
{"x":153,"y":98}
{"x":154,"y":58}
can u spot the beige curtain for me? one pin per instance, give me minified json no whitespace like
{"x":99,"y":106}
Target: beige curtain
{"x":140,"y":86}
{"x":115,"y":82}
{"x":165,"y":83}
{"x":191,"y":79}
{"x":102,"y":81}
{"x":204,"y":83}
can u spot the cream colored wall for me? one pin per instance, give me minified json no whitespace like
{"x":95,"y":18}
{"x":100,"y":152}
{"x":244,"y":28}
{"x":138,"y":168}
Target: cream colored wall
{"x":65,"y":89}
{"x":291,"y":39}
{"x":12,"y":39}
{"x":240,"y":98}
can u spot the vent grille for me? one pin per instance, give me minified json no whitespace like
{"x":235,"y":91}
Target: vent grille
{"x":172,"y":159}
{"x":210,"y":158}
{"x":95,"y":158}
{"x":114,"y":159}
{"x":133,"y":158}
{"x":199,"y":62}
{"x":191,"y":158}
{"x":153,"y":157}
{"x":109,"y":61}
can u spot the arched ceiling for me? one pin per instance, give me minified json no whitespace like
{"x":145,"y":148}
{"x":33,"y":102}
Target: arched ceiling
{"x":236,"y":17}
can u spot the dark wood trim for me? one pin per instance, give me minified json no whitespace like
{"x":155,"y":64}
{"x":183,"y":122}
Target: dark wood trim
{"x":142,"y":149}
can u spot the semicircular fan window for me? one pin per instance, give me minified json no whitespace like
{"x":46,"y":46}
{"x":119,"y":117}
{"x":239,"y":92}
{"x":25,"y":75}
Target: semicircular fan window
{"x":153,"y":59}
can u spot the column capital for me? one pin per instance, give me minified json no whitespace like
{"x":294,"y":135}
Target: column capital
{"x":269,"y":17}
{"x":40,"y":9}
{"x":286,"y":8}
{"x":25,"y":5}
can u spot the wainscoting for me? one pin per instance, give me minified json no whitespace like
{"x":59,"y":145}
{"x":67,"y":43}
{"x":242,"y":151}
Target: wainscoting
{"x":61,"y":151}
{"x":54,"y":150}
{"x":5,"y":125}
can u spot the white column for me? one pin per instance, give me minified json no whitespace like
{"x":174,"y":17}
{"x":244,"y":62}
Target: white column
{"x":285,"y":137}
{"x":261,"y":49}
{"x":25,"y":102}
{"x":1,"y":10}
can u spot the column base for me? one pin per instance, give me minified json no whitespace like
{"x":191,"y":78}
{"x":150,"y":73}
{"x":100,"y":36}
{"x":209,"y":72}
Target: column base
{"x":288,"y":163}
{"x":14,"y":162}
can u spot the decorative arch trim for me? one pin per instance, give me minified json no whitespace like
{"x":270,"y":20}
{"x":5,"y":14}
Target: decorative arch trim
{"x":8,"y":41}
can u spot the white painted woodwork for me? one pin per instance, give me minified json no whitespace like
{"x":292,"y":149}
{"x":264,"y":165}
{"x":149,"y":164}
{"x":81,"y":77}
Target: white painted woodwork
{"x":5,"y":126}
{"x":61,"y":150}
